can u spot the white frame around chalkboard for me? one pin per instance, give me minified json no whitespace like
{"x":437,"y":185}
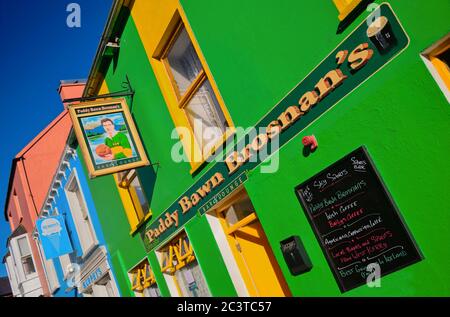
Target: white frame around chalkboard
{"x":419,"y":255}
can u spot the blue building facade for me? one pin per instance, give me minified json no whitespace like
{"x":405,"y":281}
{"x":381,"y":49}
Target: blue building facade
{"x":76,"y":260}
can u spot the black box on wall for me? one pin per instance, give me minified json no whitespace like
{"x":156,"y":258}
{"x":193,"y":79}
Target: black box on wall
{"x":295,"y":255}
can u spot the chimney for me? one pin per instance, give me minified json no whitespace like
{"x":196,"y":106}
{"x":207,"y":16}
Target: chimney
{"x":69,"y":89}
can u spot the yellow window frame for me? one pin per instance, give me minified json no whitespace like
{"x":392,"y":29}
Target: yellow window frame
{"x":158,"y":23}
{"x":131,"y":204}
{"x":167,"y":256}
{"x":241,"y":223}
{"x":173,"y":258}
{"x":187,"y":257}
{"x":183,"y":101}
{"x":142,"y":277}
{"x":150,"y":279}
{"x":345,"y":7}
{"x":136,"y":284}
{"x":441,"y":67}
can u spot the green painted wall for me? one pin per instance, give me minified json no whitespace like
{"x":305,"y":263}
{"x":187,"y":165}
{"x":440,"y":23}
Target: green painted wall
{"x":162,"y":182}
{"x":257,"y":51}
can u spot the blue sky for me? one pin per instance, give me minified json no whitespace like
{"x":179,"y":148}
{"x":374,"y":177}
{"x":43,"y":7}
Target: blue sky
{"x":38,"y":50}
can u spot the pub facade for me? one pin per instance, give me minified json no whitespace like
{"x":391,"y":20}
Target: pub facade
{"x":294,"y":149}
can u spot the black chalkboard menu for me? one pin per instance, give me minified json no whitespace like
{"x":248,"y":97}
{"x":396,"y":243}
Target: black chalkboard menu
{"x":356,"y":221}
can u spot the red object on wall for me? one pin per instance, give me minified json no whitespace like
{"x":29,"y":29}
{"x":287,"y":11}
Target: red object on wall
{"x":310,"y":141}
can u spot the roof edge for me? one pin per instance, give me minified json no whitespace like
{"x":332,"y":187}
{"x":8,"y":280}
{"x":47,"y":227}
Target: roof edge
{"x":107,"y":32}
{"x":20,"y":155}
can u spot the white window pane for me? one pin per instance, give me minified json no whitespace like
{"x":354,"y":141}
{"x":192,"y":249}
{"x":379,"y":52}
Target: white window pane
{"x":23,"y":246}
{"x":191,"y":281}
{"x":80,"y":200}
{"x":108,"y":287}
{"x":49,"y":269}
{"x":135,"y":183}
{"x":80,"y":214}
{"x":184,"y":62}
{"x":206,"y":116}
{"x":152,"y":291}
{"x":28,"y":265}
{"x":66,"y":263}
{"x":239,"y":211}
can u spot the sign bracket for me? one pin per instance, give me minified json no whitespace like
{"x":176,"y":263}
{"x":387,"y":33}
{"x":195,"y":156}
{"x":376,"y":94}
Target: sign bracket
{"x":127,"y":92}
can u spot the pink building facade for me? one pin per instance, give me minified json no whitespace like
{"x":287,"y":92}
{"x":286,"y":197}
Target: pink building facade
{"x":31,"y":175}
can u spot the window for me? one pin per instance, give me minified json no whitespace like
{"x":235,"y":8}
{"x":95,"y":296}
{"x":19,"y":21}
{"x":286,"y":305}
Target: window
{"x":25,"y":256}
{"x":50,"y":271}
{"x":179,"y":264}
{"x":194,"y":92}
{"x":143,"y":281}
{"x":80,"y":214}
{"x":66,"y":261}
{"x":133,"y":197}
{"x":437,"y":59}
{"x":22,"y":258}
{"x":104,"y":287}
{"x":12,"y":274}
{"x":239,"y":211}
{"x":193,"y":100}
{"x":345,"y":7}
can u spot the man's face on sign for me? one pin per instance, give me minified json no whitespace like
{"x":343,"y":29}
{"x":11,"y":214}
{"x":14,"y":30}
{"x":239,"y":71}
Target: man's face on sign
{"x":109,"y":127}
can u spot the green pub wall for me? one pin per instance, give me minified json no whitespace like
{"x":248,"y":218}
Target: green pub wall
{"x":257,"y":52}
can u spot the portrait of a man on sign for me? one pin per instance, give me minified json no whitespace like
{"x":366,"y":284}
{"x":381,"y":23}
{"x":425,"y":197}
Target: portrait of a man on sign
{"x":107,"y":136}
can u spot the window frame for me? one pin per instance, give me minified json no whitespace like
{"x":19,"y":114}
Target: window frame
{"x":107,"y":286}
{"x":438,"y":69}
{"x":49,"y":269}
{"x":143,"y":282}
{"x":65,"y":261}
{"x":11,"y":270}
{"x":83,"y":225}
{"x":133,"y":209}
{"x":176,"y":103}
{"x":17,"y":257}
{"x":170,"y":252}
{"x":345,"y":7}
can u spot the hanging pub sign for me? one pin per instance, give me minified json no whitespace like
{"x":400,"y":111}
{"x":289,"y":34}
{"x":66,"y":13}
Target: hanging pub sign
{"x":53,"y":235}
{"x":107,"y":136}
{"x":356,"y":221}
{"x":371,"y":46}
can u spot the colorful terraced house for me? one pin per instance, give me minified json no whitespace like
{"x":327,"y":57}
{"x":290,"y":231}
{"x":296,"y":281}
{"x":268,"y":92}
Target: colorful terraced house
{"x":358,"y":105}
{"x":294,"y":150}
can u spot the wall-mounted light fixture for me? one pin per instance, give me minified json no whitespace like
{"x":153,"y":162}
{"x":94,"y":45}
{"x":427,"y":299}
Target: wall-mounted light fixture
{"x":111,"y":47}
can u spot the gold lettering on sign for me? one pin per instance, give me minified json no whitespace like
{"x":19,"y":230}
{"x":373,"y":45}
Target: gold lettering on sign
{"x":360,"y":56}
{"x":186,"y":203}
{"x":165,"y":223}
{"x":333,"y":79}
{"x":288,"y":117}
{"x":308,"y":100}
{"x":327,"y":84}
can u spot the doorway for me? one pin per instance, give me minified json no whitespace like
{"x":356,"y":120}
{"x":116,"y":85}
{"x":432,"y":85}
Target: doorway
{"x":250,"y":248}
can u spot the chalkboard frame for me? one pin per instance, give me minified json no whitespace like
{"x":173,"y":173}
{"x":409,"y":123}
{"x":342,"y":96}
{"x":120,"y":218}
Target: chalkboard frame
{"x":418,"y":253}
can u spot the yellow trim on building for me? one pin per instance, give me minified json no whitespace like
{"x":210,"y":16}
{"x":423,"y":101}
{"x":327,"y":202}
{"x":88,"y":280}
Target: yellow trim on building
{"x":345,"y":7}
{"x":142,"y":277}
{"x":441,"y":67}
{"x":157,"y":22}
